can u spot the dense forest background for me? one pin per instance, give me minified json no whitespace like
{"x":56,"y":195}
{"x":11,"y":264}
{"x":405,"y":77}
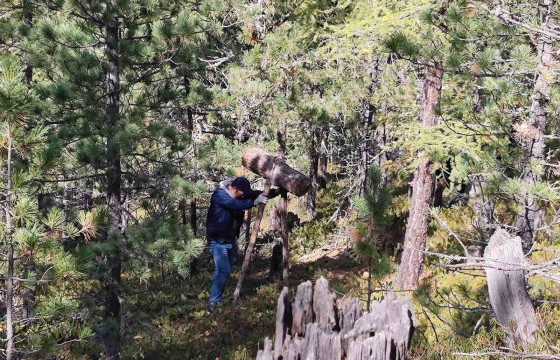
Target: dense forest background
{"x":424,"y":126}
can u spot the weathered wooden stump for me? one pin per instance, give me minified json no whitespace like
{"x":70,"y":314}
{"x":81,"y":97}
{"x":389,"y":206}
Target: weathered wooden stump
{"x":315,"y":325}
{"x":505,"y":274}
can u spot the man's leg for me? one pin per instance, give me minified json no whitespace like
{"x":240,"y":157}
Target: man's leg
{"x":220,"y":253}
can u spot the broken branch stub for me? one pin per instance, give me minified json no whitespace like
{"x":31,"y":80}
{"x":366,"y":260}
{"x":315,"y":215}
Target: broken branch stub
{"x":280,"y":174}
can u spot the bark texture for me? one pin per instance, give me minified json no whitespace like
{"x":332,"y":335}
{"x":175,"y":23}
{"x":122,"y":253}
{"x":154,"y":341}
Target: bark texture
{"x":282,"y":175}
{"x":314,"y":325}
{"x":313,"y":172}
{"x":27,"y":17}
{"x":507,"y":287}
{"x":10,"y":344}
{"x":529,"y":219}
{"x":369,"y":132}
{"x":111,"y":285}
{"x":422,"y":185}
{"x":283,"y":206}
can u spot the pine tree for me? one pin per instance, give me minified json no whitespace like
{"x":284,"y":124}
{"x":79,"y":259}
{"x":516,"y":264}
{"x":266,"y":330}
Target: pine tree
{"x":129,"y":151}
{"x":372,"y":208}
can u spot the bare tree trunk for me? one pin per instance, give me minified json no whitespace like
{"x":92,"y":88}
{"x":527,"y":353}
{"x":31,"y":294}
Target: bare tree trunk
{"x":369,"y":284}
{"x":283,"y":206}
{"x":27,"y":15}
{"x":192,"y":217}
{"x":529,"y":218}
{"x":482,"y":205}
{"x":111,"y":284}
{"x":417,"y":227}
{"x":276,"y":212}
{"x":323,"y":158}
{"x":368,"y":118}
{"x":28,"y":294}
{"x":10,"y":345}
{"x":313,"y":170}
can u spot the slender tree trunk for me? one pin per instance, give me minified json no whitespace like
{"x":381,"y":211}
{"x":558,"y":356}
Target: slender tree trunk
{"x":369,"y":284}
{"x":283,"y":206}
{"x":313,"y":171}
{"x":417,"y":227}
{"x":323,"y":157}
{"x":182,"y":208}
{"x":111,"y":286}
{"x":193,"y":217}
{"x":27,"y":15}
{"x":530,"y":217}
{"x":482,"y":205}
{"x":280,"y":212}
{"x":275,"y":212}
{"x":368,"y":119}
{"x":10,"y":345}
{"x":28,"y":294}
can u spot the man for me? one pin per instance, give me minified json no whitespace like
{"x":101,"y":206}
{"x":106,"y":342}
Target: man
{"x":225,"y":217}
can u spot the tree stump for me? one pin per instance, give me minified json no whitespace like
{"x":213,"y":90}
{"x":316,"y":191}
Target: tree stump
{"x":507,"y":287}
{"x":314,"y":325}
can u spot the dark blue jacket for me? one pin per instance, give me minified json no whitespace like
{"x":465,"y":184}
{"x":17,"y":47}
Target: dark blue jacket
{"x":225,"y":215}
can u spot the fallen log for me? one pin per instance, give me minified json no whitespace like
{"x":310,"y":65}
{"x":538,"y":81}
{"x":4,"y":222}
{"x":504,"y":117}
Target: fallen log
{"x":507,"y":287}
{"x":280,"y":174}
{"x":315,"y":325}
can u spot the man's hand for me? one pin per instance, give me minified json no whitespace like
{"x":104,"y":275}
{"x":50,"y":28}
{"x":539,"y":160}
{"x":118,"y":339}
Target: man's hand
{"x":273,"y":193}
{"x":261,"y":199}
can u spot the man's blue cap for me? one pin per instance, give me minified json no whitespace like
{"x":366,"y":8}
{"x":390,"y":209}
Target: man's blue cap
{"x":244,"y":185}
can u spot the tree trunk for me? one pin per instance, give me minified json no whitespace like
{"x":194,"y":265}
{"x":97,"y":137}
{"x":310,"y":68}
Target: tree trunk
{"x":367,"y":123}
{"x":111,"y":284}
{"x":313,"y":170}
{"x":323,"y":158}
{"x":417,"y":227}
{"x":283,"y":207}
{"x":192,"y":217}
{"x":27,"y":17}
{"x":28,"y":294}
{"x":528,"y":220}
{"x":276,"y":212}
{"x":482,"y":205}
{"x":10,"y":345}
{"x":507,"y":287}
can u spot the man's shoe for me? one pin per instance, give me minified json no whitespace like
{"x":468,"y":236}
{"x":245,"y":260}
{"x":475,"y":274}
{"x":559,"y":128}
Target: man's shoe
{"x":212,"y":308}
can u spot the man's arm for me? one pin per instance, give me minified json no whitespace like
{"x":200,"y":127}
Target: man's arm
{"x":255,"y":194}
{"x":225,"y":200}
{"x":272,"y":193}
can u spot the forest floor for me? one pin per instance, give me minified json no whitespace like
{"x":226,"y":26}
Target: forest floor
{"x":168,"y":320}
{"x":172,"y":323}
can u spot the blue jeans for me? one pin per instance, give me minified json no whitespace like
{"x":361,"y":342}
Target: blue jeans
{"x":223,"y":260}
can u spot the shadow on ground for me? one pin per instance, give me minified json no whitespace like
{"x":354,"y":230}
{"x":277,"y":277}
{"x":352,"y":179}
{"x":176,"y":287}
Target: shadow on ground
{"x":170,"y":322}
